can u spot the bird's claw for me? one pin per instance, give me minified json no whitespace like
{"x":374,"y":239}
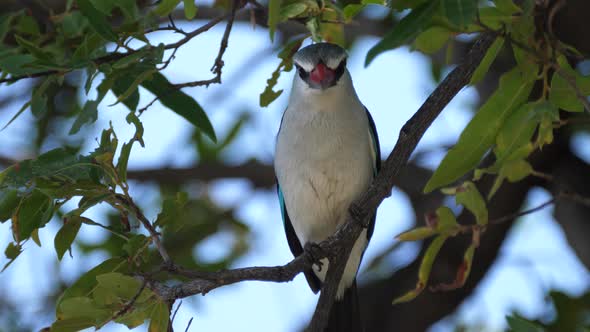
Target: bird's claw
{"x":316,"y":253}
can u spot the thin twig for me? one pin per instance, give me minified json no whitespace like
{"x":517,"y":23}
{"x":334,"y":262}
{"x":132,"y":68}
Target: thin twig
{"x":218,"y":63}
{"x":189,"y":324}
{"x":143,"y":109}
{"x":175,"y":312}
{"x":155,"y":236}
{"x":515,"y":215}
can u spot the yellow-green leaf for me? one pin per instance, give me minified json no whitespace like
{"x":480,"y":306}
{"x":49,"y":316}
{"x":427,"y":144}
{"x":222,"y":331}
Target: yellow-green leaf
{"x":166,"y":7}
{"x":432,"y":39}
{"x":480,"y":133}
{"x":84,"y":285}
{"x":471,"y":199}
{"x":159,"y":318}
{"x":66,"y":235}
{"x":507,"y":6}
{"x":563,"y":94}
{"x":274,"y":16}
{"x":190,"y":9}
{"x":425,"y":268}
{"x":516,"y":132}
{"x":418,"y":233}
{"x":446,"y":221}
{"x":487,"y":61}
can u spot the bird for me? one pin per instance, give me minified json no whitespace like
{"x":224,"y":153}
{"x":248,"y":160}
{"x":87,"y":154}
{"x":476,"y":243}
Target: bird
{"x":326,"y":155}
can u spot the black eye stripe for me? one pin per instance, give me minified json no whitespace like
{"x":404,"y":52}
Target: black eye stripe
{"x":340,"y":70}
{"x":302,"y":73}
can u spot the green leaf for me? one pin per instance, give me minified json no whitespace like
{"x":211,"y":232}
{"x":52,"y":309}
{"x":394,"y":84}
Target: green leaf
{"x":20,"y":111}
{"x":180,"y":103}
{"x":11,"y":252}
{"x":274,"y":13}
{"x":74,"y":24}
{"x":516,"y":132}
{"x":493,"y":18}
{"x":66,"y":236}
{"x":87,"y":281}
{"x":190,"y":10}
{"x":36,"y":51}
{"x":160,"y":317}
{"x":132,"y":88}
{"x":18,"y":64}
{"x":88,"y":115}
{"x":487,"y":61}
{"x":124,"y":160}
{"x":97,"y":20}
{"x":166,"y":7}
{"x":516,"y":170}
{"x":136,"y":244}
{"x":480,"y":133}
{"x":471,"y":199}
{"x":526,"y":65}
{"x":72,"y":324}
{"x":8,"y":202}
{"x":123,"y":84}
{"x":34,"y":212}
{"x":122,"y":286}
{"x":519,"y":324}
{"x":507,"y":7}
{"x":460,"y":12}
{"x":138,"y":136}
{"x":432,"y":39}
{"x":28,"y":25}
{"x":91,"y":47}
{"x":292,"y":10}
{"x":60,"y":165}
{"x":171,"y":209}
{"x":547,"y":114}
{"x":351,"y":10}
{"x":446,"y":221}
{"x":563,"y":94}
{"x":82,"y":307}
{"x":405,"y":30}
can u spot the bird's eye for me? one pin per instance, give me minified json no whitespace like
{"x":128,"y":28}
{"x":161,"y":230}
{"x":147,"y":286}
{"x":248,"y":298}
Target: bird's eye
{"x":340,"y":70}
{"x":302,"y":73}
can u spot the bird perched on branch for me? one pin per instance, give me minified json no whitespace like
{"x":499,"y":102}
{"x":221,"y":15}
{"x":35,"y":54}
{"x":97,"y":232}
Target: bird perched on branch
{"x":327,"y":154}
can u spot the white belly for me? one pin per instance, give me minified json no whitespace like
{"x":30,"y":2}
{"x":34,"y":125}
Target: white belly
{"x":323,"y":163}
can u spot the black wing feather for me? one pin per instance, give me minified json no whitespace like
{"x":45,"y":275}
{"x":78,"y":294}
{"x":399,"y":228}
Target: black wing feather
{"x":295,"y":245}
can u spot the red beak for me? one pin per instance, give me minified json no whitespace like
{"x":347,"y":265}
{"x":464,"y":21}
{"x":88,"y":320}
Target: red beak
{"x":321,"y":74}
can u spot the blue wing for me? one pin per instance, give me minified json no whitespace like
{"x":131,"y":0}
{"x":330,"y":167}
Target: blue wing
{"x":377,"y":163}
{"x":296,"y":248}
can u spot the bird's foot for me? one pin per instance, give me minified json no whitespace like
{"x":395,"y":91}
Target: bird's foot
{"x":316,"y":253}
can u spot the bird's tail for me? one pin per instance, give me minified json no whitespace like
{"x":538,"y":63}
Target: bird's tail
{"x":345,"y":315}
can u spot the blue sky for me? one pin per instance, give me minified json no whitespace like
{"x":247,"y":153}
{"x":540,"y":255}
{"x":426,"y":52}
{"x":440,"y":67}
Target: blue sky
{"x":534,"y":258}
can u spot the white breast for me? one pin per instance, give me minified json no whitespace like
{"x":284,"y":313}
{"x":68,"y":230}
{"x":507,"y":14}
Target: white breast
{"x":323,"y":162}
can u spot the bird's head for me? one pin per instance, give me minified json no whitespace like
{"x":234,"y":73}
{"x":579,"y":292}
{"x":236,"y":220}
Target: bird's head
{"x":320,"y":65}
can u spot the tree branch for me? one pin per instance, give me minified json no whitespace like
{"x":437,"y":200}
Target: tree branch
{"x":340,"y":244}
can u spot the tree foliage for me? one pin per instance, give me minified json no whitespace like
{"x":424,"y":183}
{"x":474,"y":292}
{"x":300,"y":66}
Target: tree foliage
{"x":101,"y":47}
